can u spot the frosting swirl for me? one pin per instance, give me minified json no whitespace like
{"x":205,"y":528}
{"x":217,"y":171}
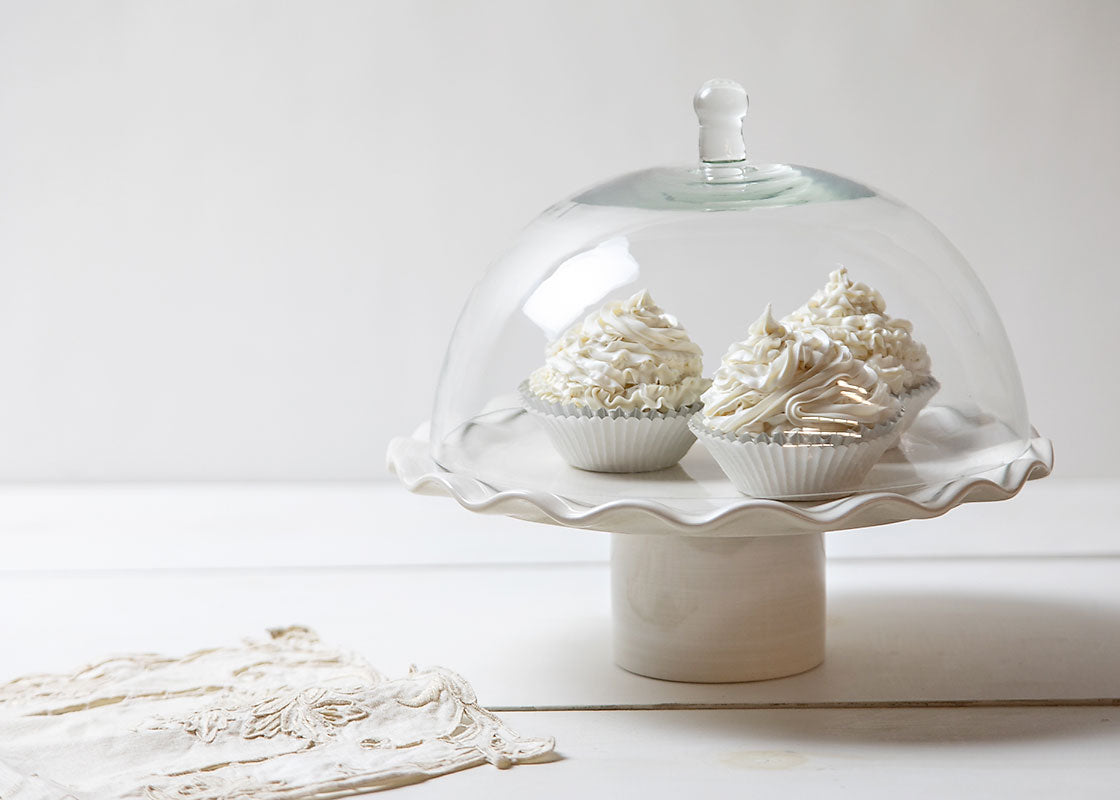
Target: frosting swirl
{"x":629,"y":355}
{"x":854,"y":315}
{"x":786,"y":379}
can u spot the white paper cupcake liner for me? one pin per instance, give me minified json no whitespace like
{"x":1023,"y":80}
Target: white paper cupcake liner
{"x":795,"y":466}
{"x":614,"y":440}
{"x":913,"y":401}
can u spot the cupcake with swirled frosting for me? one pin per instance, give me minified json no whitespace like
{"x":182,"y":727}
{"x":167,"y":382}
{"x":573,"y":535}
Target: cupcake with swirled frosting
{"x":616,"y":390}
{"x":855,"y":315}
{"x":793,"y":413}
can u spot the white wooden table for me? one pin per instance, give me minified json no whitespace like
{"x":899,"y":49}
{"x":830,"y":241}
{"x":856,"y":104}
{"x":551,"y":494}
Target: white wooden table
{"x":975,"y":655}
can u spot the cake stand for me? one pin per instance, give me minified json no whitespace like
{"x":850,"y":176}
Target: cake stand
{"x":708,"y":586}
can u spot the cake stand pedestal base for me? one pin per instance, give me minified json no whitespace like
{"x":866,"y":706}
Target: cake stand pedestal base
{"x":718,"y":610}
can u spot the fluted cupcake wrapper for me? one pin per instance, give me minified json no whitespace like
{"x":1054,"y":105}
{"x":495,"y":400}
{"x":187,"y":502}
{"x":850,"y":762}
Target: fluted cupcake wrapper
{"x":614,"y":440}
{"x":532,"y":402}
{"x":913,"y":401}
{"x":796,"y":467}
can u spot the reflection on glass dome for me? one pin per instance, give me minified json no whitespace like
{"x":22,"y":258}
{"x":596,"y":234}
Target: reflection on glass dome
{"x":580,"y":282}
{"x":716,"y":244}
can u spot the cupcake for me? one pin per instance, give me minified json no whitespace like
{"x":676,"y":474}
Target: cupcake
{"x":855,"y":315}
{"x":792,"y":413}
{"x":616,"y":390}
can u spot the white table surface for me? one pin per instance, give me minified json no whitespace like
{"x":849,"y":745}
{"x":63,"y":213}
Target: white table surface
{"x":974,"y":655}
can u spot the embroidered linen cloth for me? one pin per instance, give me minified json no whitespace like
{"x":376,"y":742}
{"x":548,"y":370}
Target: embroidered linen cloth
{"x":288,"y":717}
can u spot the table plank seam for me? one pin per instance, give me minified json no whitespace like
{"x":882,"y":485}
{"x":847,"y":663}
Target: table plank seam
{"x":1075,"y":702}
{"x":498,"y":565}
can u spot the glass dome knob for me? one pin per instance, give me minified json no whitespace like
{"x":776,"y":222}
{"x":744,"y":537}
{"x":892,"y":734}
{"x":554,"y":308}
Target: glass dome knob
{"x":720,"y":106}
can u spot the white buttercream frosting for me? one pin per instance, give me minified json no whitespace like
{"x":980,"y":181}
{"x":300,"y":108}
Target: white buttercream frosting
{"x":794,"y":379}
{"x":855,"y":315}
{"x":629,"y":355}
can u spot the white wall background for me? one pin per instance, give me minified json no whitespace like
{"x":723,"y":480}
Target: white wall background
{"x":234,"y":236}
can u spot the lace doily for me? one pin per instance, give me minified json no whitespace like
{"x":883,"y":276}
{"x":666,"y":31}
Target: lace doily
{"x":287,"y":718}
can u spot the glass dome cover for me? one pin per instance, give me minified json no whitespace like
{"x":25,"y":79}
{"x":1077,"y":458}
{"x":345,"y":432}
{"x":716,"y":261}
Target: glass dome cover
{"x":714,"y":245}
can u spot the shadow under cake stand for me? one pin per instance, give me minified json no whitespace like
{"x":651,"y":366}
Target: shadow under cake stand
{"x":709,"y":585}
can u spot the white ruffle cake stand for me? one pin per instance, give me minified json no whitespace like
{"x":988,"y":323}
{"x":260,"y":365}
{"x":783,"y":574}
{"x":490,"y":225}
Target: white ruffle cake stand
{"x":709,"y":585}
